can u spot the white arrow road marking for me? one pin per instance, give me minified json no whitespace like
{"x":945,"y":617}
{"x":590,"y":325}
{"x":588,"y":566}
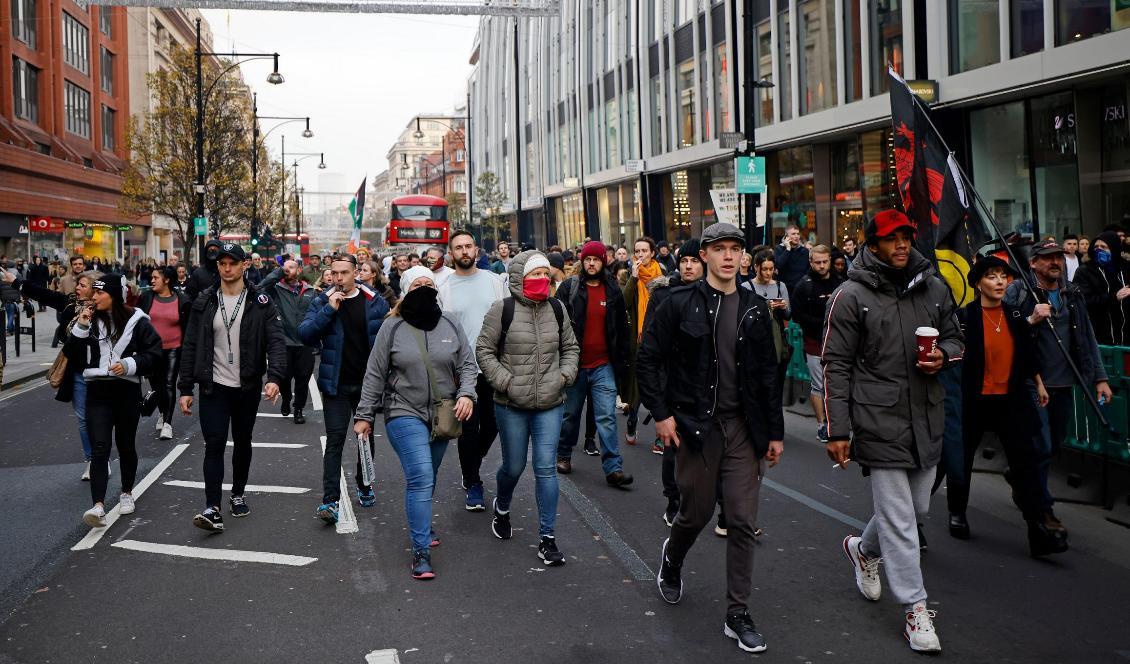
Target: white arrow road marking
{"x":254,"y":488}
{"x":215,"y":554}
{"x":285,"y":446}
{"x":388,"y":656}
{"x":346,"y":521}
{"x":96,"y":534}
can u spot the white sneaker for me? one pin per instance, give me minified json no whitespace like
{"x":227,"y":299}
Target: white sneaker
{"x":919,"y":631}
{"x":166,"y":432}
{"x":126,"y":504}
{"x":160,"y":422}
{"x":866,"y":569}
{"x":86,"y":472}
{"x":95,"y":517}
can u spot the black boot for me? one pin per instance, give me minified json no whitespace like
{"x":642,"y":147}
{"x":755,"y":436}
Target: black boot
{"x":299,"y":418}
{"x":1043,"y":541}
{"x":959,"y":526}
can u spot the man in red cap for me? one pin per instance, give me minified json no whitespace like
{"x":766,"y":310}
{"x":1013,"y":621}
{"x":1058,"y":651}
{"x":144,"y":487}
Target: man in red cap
{"x":884,"y":406}
{"x":600,"y":322}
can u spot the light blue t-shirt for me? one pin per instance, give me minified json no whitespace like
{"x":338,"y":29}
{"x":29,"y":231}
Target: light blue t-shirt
{"x":468,"y":299}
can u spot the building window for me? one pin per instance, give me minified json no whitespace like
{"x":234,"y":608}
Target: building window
{"x":658,"y":113}
{"x":25,"y":90}
{"x":684,"y":79}
{"x":886,"y":41}
{"x":853,"y":52}
{"x":817,"y":53}
{"x":1076,"y":20}
{"x":1055,"y":169}
{"x":685,"y":10}
{"x":765,"y":72}
{"x":460,"y":155}
{"x":612,"y":133}
{"x":107,"y":70}
{"x":611,"y":33}
{"x":1000,"y":165}
{"x":706,"y":114}
{"x":655,"y":25}
{"x":1027,"y":17}
{"x":108,"y":128}
{"x":76,"y":44}
{"x":633,"y":128}
{"x":105,"y":23}
{"x":785,"y":62}
{"x":23,"y":21}
{"x":721,"y":91}
{"x":795,"y":202}
{"x":847,"y":197}
{"x":975,"y":28}
{"x":76,"y":108}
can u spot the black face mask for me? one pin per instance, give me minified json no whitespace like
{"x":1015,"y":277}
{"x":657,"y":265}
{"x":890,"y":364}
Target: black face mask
{"x":420,"y":308}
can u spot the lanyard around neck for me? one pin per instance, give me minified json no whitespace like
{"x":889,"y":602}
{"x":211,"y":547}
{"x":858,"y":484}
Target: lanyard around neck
{"x":229,"y":322}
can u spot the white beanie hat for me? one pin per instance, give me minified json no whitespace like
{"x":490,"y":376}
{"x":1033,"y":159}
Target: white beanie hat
{"x":534,"y":262}
{"x":412,"y":274}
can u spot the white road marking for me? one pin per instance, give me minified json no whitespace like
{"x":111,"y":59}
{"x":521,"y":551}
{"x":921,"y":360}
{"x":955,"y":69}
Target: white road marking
{"x":315,"y":395}
{"x":96,"y":534}
{"x":215,"y":554}
{"x":253,"y":488}
{"x":388,"y":656}
{"x":23,"y":389}
{"x":285,"y":446}
{"x":270,"y":415}
{"x":346,"y":520}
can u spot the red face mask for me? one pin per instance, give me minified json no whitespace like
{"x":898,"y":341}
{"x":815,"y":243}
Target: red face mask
{"x":536,"y":289}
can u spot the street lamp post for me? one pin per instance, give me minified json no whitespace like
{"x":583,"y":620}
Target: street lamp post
{"x":301,"y":190}
{"x":274,"y":79}
{"x":255,"y":156}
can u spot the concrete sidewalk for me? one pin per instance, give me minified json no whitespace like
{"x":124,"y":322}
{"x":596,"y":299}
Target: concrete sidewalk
{"x":30,"y":365}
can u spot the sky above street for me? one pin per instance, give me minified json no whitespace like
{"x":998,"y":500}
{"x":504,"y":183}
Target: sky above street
{"x":360,"y":78}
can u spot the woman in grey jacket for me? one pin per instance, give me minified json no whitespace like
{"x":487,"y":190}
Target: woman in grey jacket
{"x":397,"y":381}
{"x":528,"y":353}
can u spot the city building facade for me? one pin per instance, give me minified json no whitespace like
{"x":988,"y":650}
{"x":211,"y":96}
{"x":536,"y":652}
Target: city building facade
{"x":64,"y":100}
{"x":621,"y":105}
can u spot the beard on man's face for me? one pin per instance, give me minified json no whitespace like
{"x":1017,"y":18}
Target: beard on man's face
{"x":464,"y":263}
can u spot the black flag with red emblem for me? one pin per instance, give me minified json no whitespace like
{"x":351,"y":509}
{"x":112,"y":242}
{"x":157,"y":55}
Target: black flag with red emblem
{"x":934,"y":193}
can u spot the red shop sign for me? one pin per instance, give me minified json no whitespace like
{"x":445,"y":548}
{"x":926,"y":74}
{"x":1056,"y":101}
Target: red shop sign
{"x":46,"y":225}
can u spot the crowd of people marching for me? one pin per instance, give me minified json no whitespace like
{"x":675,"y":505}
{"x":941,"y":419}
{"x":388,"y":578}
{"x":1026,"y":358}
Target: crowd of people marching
{"x":530,"y":346}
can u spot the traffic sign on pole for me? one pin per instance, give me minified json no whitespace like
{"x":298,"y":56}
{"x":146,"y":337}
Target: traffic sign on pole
{"x":200,"y":225}
{"x":750,"y":175}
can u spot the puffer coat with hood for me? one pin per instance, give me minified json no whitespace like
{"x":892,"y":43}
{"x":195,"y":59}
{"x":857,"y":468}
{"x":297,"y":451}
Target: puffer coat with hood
{"x":539,"y":359}
{"x":874,"y":394}
{"x":1100,"y":285}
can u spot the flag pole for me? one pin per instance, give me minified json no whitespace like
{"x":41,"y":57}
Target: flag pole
{"x":1025,"y":277}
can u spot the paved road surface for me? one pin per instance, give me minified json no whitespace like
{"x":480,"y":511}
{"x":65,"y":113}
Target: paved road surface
{"x":292,"y":589}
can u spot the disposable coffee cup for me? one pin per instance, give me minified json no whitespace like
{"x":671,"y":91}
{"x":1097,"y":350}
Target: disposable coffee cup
{"x":927,"y":340}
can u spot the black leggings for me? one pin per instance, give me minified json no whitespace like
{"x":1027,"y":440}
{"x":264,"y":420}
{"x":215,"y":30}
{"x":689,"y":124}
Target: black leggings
{"x":113,"y":408}
{"x":164,"y":382}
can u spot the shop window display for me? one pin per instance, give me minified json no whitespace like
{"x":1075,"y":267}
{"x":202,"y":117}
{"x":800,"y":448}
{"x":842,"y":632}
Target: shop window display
{"x":1054,"y":164}
{"x":1001,"y":166}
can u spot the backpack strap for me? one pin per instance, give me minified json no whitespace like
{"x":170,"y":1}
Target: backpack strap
{"x":508,"y":318}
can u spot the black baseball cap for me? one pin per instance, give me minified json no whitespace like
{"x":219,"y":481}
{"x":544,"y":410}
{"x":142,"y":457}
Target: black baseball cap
{"x":1046,"y":248}
{"x":231,"y":250}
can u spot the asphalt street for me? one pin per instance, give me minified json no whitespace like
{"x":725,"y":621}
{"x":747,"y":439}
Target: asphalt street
{"x":280,"y":586}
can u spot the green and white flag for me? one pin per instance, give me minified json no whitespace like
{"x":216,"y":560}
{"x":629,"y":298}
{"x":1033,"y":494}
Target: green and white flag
{"x":357,"y":212}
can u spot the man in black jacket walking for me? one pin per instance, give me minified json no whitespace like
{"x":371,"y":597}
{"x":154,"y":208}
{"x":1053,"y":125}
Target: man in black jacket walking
{"x":292,"y":295}
{"x":715,"y":339}
{"x":600,"y":322}
{"x":233,"y":338}
{"x":808,"y":301}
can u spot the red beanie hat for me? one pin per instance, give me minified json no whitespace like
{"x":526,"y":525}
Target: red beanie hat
{"x":593,"y":248}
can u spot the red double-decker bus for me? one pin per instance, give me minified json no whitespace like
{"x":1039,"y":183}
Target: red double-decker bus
{"x":418,"y":219}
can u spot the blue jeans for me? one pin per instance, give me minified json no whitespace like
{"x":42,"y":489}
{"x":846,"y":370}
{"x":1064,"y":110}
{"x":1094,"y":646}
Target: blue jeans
{"x":516,"y":428}
{"x":420,"y":458}
{"x":1053,"y":431}
{"x":601,"y":381}
{"x":78,"y":401}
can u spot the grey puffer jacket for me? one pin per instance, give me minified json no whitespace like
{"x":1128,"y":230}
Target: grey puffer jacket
{"x":396,"y":377}
{"x":873,"y":391}
{"x":539,"y":360}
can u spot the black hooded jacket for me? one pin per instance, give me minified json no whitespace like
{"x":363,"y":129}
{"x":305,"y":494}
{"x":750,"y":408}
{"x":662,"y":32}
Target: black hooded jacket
{"x":1100,"y":285}
{"x":573,"y":294}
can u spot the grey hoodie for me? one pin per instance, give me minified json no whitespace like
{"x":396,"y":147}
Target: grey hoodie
{"x":396,"y":377}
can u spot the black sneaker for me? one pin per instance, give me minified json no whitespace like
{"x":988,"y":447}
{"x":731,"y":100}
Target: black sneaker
{"x":500,"y":525}
{"x":670,"y":577}
{"x":238,"y":506}
{"x":299,"y":418}
{"x":739,"y":626}
{"x":209,"y":519}
{"x":285,"y":409}
{"x":590,"y":447}
{"x":422,"y":566}
{"x":547,"y":551}
{"x":671,"y":512}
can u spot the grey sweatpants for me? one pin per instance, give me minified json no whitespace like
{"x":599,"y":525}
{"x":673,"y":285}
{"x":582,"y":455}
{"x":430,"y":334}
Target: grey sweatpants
{"x":899,"y":496}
